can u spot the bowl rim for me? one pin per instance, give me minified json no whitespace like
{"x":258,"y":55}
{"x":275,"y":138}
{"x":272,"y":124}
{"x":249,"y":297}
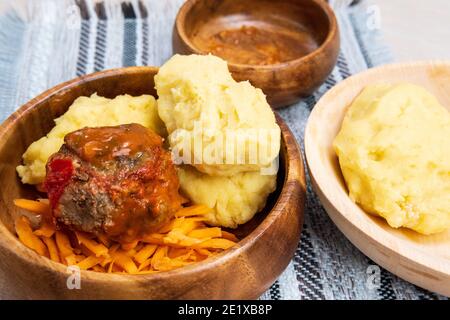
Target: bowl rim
{"x":294,"y":170}
{"x":323,"y":5}
{"x":422,"y":258}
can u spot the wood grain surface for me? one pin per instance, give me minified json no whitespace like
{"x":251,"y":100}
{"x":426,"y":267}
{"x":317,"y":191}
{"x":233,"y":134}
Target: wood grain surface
{"x":283,"y":83}
{"x":422,"y":260}
{"x":242,"y":272}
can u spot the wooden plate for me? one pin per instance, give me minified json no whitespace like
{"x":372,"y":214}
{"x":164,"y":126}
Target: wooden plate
{"x":422,"y":260}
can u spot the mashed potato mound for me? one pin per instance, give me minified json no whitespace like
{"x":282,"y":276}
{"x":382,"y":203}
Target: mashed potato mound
{"x":91,"y":111}
{"x":394,"y":152}
{"x":234,"y":199}
{"x":199,"y":90}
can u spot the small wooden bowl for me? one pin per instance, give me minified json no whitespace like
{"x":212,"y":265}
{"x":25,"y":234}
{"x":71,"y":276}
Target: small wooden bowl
{"x":303,"y":21}
{"x":242,"y":272}
{"x":422,"y":260}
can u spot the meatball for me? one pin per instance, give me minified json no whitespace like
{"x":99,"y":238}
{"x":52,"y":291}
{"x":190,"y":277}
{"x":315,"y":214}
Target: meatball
{"x":117,"y":181}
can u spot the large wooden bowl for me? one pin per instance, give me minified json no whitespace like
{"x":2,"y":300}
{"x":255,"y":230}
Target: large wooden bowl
{"x":284,"y":83}
{"x":243,"y":272}
{"x":422,"y":260}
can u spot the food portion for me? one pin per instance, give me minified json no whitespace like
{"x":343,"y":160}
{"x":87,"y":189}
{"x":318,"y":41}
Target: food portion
{"x":115,"y":199}
{"x":117,"y":181}
{"x":258,"y":43}
{"x":394,"y":152}
{"x":234,"y":200}
{"x":205,"y":111}
{"x":91,"y":111}
{"x":226,"y":133}
{"x":113,"y":206}
{"x":184,"y":240}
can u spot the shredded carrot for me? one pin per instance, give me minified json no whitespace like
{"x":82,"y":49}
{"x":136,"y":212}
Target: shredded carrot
{"x":145,"y":264}
{"x":46,"y":230}
{"x":52,"y":248}
{"x":167,"y":227}
{"x":114,"y":248}
{"x":166,"y":264}
{"x":131,"y":252}
{"x":154,"y":239}
{"x":183,"y":240}
{"x":104,"y":239}
{"x":28,"y":238}
{"x":81,"y":249}
{"x":37,"y":207}
{"x":180,"y":256}
{"x":178,"y":252}
{"x":229,"y":236}
{"x":63,"y":243}
{"x":129,"y":246}
{"x":80,"y":257}
{"x":204,"y":252}
{"x":105,"y":261}
{"x":98,"y":268}
{"x":216,"y":244}
{"x":124,"y":262}
{"x":70,"y":260}
{"x":116,"y":269}
{"x":88,"y":262}
{"x":111,"y":265}
{"x":187,"y":225}
{"x":196,"y":256}
{"x":196,"y":210}
{"x":145,"y":253}
{"x":160,"y":253}
{"x":206,"y":233}
{"x":177,"y":237}
{"x":97,"y":248}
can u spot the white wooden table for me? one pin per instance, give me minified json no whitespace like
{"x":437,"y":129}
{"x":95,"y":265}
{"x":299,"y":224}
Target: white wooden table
{"x":416,"y":29}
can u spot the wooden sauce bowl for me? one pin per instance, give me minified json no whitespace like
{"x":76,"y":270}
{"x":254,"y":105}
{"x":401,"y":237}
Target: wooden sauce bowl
{"x":287,"y":47}
{"x":422,"y":260}
{"x":242,"y":272}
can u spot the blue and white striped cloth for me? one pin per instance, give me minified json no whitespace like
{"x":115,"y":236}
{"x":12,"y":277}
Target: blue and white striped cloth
{"x":49,"y":41}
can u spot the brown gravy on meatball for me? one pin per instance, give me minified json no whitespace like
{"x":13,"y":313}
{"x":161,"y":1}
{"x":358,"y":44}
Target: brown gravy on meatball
{"x":118,"y":181}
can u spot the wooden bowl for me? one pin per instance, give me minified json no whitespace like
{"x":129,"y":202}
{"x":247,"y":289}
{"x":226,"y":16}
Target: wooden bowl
{"x":422,"y":260}
{"x":305,"y":28}
{"x":242,"y":272}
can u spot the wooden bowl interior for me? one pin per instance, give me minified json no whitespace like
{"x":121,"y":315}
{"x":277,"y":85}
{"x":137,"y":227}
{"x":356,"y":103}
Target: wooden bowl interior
{"x":39,"y":120}
{"x":242,"y":272}
{"x":207,"y":18}
{"x":424,"y":260}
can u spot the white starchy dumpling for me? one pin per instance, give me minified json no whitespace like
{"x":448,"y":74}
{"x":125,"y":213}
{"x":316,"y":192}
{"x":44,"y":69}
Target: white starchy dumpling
{"x":94,"y":111}
{"x":394,"y":152}
{"x":234,"y":199}
{"x":199,"y":91}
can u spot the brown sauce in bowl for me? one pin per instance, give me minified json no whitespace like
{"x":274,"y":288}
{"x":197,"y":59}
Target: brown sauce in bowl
{"x":258,"y":44}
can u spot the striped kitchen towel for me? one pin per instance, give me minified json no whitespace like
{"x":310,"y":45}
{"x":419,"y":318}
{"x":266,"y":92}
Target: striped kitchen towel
{"x":43,"y":43}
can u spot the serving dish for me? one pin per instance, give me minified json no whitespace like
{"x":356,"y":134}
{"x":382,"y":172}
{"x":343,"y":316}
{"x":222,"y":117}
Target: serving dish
{"x":422,"y":260}
{"x":309,"y":25}
{"x":242,"y":272}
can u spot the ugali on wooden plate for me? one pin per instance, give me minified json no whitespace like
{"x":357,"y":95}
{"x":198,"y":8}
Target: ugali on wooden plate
{"x":422,"y":260}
